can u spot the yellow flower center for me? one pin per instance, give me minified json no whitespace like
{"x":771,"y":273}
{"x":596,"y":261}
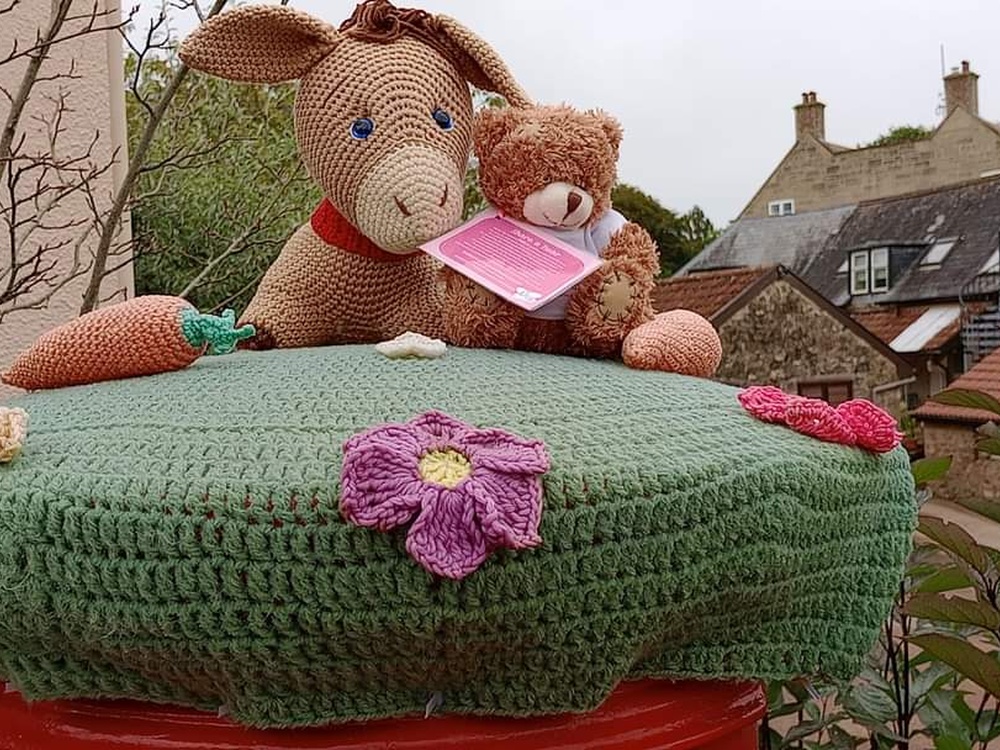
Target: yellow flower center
{"x":446,"y":468}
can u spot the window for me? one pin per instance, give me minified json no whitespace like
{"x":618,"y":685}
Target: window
{"x":859,"y":273}
{"x":870,"y":271}
{"x":781,"y":208}
{"x":832,"y":391}
{"x":880,"y":270}
{"x":936,"y":255}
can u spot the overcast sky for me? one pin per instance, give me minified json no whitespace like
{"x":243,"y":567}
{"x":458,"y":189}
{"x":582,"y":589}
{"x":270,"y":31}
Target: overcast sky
{"x":705,"y":88}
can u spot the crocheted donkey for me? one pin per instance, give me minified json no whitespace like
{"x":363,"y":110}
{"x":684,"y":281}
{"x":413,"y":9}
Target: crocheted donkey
{"x":383,"y":119}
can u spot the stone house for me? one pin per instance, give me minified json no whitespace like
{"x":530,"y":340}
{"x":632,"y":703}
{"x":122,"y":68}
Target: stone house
{"x":953,"y":431}
{"x":920,"y":271}
{"x":777,"y":330}
{"x":816,"y":174}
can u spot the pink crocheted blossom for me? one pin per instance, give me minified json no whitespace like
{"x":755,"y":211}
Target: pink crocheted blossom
{"x":471,"y":490}
{"x":765,"y":402}
{"x":818,"y":419}
{"x":874,"y":429}
{"x":856,"y":422}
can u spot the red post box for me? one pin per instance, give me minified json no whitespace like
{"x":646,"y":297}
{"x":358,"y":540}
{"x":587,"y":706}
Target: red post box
{"x":638,"y":716}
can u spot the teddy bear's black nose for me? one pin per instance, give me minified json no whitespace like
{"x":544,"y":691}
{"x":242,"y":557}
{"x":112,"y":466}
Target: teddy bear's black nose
{"x":573,"y":201}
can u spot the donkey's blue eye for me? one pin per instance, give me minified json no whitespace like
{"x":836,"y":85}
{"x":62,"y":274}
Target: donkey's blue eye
{"x":362,"y":128}
{"x":443,"y":119}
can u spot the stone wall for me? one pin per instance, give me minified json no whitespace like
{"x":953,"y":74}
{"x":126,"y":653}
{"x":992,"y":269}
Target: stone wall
{"x":962,"y":149}
{"x":782,"y":336}
{"x":972,"y":474}
{"x":95,"y":106}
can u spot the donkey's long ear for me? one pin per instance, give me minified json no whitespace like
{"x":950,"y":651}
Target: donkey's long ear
{"x":259,"y":44}
{"x":480,"y":64}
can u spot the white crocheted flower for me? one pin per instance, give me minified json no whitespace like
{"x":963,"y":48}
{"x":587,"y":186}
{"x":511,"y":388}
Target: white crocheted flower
{"x":412,"y":345}
{"x":13,"y":428}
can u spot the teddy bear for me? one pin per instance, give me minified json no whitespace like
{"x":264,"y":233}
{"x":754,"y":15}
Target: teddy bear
{"x":554,"y":167}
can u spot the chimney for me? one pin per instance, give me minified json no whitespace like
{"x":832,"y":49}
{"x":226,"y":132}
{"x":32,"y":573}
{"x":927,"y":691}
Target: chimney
{"x":961,"y":89}
{"x":809,"y":119}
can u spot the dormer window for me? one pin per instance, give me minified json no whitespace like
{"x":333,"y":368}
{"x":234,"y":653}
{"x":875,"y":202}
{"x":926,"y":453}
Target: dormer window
{"x":870,"y":271}
{"x":785,"y":207}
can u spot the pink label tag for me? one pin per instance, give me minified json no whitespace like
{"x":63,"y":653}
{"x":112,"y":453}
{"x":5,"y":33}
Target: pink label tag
{"x":512,"y":259}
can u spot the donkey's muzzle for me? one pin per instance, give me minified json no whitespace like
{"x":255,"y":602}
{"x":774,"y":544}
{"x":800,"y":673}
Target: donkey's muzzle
{"x":411,"y":196}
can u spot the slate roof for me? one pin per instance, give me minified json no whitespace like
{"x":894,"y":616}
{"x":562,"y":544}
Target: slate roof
{"x":985,"y":377}
{"x":705,"y":293}
{"x":791,"y":241}
{"x":889,"y":322}
{"x":814,"y":245}
{"x":969,"y":212}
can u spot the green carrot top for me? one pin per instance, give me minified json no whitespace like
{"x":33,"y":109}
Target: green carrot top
{"x":219,"y":332}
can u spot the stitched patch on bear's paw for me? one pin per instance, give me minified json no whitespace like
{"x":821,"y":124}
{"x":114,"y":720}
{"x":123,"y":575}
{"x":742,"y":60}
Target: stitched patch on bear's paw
{"x":617,"y":297}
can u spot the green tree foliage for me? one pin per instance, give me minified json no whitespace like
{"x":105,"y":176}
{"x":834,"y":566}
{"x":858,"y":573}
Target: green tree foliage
{"x":697,"y":231}
{"x":211,"y":222}
{"x":902,"y":134}
{"x":679,"y":237}
{"x":934,"y":676}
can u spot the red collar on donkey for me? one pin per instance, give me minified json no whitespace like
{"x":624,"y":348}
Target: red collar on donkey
{"x":331,"y":227}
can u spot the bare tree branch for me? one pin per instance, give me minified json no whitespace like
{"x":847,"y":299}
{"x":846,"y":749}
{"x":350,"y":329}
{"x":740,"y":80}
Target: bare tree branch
{"x":140,"y":58}
{"x":55,"y":210}
{"x":46,"y":244}
{"x":233,"y":297}
{"x":238,"y":243}
{"x":60,"y":11}
{"x":45,"y":43}
{"x":126,"y":189}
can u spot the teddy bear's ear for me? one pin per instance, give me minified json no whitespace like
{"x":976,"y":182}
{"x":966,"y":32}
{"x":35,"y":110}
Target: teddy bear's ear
{"x":611,"y":127}
{"x":491,"y":126}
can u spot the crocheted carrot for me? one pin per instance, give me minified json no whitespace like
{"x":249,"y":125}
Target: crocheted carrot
{"x":142,"y":336}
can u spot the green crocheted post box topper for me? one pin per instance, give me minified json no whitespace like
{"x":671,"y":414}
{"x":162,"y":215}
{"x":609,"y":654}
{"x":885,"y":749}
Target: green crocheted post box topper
{"x":178,"y":538}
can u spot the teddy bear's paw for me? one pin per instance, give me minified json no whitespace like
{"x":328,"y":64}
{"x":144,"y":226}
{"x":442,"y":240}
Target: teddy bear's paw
{"x":623,"y":296}
{"x":619,"y":297}
{"x":678,"y":341}
{"x":476,"y":317}
{"x":463,"y":292}
{"x":606,"y":306}
{"x":634,"y":243}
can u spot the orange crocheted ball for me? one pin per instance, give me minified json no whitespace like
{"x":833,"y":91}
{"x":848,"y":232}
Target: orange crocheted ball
{"x":682,"y":339}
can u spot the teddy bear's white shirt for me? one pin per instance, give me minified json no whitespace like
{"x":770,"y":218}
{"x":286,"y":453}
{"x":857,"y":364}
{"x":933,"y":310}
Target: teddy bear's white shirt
{"x":592,"y":240}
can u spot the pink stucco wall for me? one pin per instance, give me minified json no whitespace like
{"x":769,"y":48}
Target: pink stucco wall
{"x":96,"y":103}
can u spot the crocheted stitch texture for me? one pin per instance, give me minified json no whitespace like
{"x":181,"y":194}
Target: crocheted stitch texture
{"x":178,"y":538}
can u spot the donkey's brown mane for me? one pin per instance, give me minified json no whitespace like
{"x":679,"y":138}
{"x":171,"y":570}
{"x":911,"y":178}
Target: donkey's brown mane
{"x":382,"y":22}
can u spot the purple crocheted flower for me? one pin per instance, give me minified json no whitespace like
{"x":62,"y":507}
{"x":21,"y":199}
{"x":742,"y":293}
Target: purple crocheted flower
{"x":472,"y":490}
